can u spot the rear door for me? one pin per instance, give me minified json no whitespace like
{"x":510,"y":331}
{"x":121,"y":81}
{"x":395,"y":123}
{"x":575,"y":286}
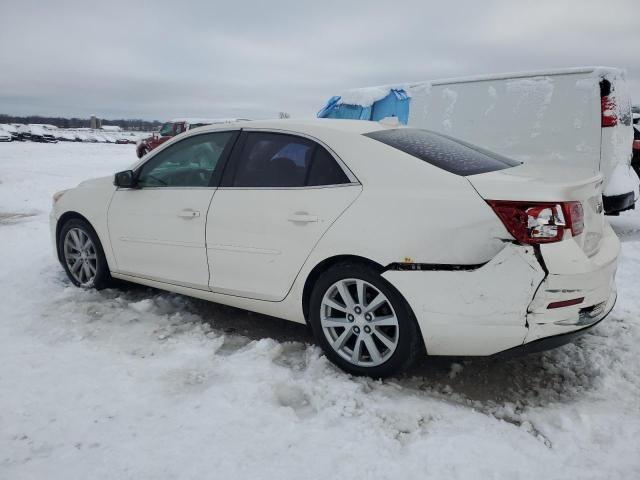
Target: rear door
{"x":279,"y":194}
{"x":157,"y":230}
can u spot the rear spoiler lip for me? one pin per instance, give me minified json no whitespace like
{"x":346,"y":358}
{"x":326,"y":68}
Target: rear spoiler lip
{"x":537,"y":184}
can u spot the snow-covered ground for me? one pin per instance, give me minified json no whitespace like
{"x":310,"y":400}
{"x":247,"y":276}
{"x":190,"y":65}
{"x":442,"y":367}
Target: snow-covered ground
{"x":137,"y":383}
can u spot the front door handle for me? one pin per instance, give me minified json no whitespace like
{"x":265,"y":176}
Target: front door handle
{"x":302,"y":217}
{"x":189,"y":213}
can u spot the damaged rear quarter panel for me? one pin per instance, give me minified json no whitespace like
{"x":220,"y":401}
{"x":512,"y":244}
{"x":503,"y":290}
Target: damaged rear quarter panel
{"x":479,"y":312}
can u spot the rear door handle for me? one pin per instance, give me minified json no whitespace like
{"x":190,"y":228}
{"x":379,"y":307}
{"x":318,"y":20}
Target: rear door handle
{"x":302,"y":217}
{"x":189,"y":213}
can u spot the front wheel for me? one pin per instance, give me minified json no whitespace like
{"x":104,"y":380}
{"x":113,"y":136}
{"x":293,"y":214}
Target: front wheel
{"x":82,"y":256}
{"x":362,"y":322}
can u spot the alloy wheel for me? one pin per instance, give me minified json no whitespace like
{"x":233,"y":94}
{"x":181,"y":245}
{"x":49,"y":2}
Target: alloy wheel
{"x":359,"y":322}
{"x":80,"y":256}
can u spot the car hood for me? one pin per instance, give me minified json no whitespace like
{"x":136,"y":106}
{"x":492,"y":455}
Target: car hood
{"x":97,"y":182}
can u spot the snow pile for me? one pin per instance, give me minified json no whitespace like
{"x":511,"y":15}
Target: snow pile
{"x":137,"y":383}
{"x":623,"y":179}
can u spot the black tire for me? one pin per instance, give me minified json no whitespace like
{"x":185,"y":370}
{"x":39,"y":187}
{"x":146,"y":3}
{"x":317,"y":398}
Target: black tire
{"x":409,"y":340}
{"x":102,"y":277}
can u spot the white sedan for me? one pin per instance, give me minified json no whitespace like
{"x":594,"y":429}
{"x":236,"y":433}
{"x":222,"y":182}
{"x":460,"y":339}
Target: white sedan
{"x":5,"y":136}
{"x":391,"y":243}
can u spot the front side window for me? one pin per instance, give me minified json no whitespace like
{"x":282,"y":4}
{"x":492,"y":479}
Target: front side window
{"x":281,"y":160}
{"x":188,"y":163}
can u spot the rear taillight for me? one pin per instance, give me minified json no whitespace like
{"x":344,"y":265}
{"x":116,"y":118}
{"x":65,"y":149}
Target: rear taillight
{"x":607,"y":104}
{"x":539,"y":222}
{"x":636,"y":144}
{"x":609,"y":116}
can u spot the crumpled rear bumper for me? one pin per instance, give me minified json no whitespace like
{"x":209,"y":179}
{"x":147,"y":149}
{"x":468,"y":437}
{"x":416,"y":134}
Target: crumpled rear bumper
{"x":591,"y":278}
{"x":504,"y":303}
{"x":554,"y":341}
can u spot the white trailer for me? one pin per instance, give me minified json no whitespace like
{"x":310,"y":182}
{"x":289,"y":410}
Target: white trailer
{"x":578,"y":117}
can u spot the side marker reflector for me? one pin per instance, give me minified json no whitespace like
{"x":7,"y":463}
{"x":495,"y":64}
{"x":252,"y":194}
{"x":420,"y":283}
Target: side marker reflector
{"x":566,"y":303}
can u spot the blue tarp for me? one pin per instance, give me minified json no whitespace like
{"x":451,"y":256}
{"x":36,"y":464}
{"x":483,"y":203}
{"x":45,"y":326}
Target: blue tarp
{"x":395,"y":104}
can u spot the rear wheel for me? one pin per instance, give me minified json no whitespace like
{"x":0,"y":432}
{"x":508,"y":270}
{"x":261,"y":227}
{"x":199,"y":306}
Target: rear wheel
{"x":362,"y":322}
{"x":82,"y":256}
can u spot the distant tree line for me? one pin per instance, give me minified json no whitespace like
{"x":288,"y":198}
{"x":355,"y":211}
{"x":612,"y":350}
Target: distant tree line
{"x":61,"y":122}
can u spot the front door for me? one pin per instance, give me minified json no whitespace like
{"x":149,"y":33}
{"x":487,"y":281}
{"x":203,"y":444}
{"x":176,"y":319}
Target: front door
{"x":157,"y":230}
{"x":280,"y":193}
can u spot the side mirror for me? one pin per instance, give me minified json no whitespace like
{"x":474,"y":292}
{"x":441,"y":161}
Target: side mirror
{"x":125,"y":179}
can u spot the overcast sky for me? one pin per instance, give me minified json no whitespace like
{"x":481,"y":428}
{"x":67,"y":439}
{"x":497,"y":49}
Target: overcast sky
{"x":158,"y":60}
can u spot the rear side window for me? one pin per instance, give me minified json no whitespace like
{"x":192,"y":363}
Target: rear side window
{"x":442,"y":151}
{"x":280,"y":160}
{"x":324,"y":170}
{"x":273,"y":160}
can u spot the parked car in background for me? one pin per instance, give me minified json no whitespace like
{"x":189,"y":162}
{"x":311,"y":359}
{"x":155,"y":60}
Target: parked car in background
{"x":578,"y":117}
{"x":390,"y":242}
{"x":38,"y":133}
{"x":65,"y":136}
{"x":5,"y":136}
{"x":173,"y":128}
{"x":13,"y":130}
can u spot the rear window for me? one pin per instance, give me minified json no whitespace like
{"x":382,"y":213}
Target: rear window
{"x":442,"y":151}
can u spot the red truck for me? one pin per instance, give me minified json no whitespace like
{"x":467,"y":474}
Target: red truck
{"x":173,"y":128}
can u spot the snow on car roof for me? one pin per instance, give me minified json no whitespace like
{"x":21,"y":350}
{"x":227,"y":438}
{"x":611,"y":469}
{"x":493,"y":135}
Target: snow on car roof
{"x":7,"y":127}
{"x":36,"y":129}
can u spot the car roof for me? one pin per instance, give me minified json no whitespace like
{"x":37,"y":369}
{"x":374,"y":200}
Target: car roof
{"x":306,"y":126}
{"x":204,"y":120}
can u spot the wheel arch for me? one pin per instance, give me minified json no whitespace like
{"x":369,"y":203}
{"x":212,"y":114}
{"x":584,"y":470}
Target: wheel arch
{"x":322,"y":267}
{"x":64,"y":218}
{"x":329,"y":262}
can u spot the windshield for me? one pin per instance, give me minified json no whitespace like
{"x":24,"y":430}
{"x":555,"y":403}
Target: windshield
{"x":166,"y":130}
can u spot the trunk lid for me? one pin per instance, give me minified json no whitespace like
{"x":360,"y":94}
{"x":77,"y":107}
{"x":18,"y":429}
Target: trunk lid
{"x":536,"y":183}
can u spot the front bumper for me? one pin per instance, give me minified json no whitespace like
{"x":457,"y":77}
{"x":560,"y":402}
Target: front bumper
{"x":53,"y":227}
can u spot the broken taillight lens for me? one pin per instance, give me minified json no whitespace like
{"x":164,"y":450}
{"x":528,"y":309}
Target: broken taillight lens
{"x":539,"y":222}
{"x":609,"y":116}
